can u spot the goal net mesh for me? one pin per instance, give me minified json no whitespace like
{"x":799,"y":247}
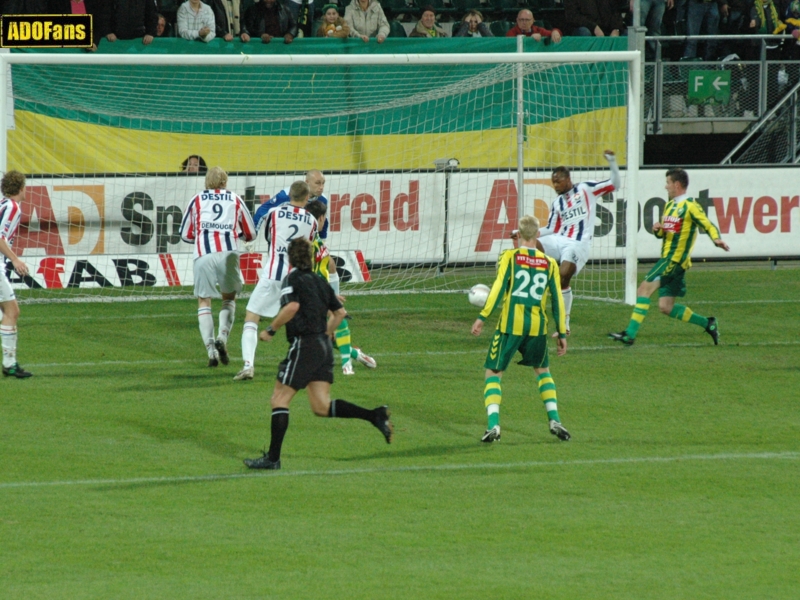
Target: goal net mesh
{"x":420,"y":163}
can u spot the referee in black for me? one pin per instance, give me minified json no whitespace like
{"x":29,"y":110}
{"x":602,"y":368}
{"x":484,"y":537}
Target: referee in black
{"x":306,"y":300}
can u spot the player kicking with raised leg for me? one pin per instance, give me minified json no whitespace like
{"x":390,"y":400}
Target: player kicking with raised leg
{"x":13,"y":188}
{"x":281,"y":225}
{"x":570,"y":227}
{"x":311,"y":312}
{"x":678,"y":228}
{"x":212,"y":222}
{"x":525,"y":277}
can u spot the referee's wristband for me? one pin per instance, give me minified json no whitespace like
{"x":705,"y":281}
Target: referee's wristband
{"x":270,"y":330}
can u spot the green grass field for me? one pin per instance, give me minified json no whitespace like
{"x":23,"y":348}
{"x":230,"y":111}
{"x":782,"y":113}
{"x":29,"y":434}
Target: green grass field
{"x":122,"y":477}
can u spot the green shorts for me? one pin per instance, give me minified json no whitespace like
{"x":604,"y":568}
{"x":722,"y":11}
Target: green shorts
{"x":672,"y":278}
{"x":505,"y":345}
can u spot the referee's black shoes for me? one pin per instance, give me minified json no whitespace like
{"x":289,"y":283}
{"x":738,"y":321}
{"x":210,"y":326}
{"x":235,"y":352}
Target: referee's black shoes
{"x":382,"y":422}
{"x":262,"y":462}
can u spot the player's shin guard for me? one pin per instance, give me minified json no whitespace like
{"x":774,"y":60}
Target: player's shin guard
{"x":342,"y":409}
{"x":685,"y":314}
{"x":638,"y":315}
{"x":249,"y":343}
{"x":206,"y":322}
{"x":492,"y":397}
{"x":567,"y":295}
{"x":226,"y":318}
{"x":9,"y":340}
{"x":280,"y":423}
{"x":547,"y":392}
{"x":343,"y":340}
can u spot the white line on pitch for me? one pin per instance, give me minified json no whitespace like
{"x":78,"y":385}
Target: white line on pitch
{"x":572,"y":348}
{"x":411,"y":469}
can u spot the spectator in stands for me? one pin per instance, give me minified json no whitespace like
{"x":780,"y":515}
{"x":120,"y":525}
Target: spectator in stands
{"x":738,"y":15}
{"x":268,"y":19}
{"x":133,"y":19}
{"x":525,"y":26}
{"x":161,"y":28}
{"x":427,"y":27}
{"x":793,"y":28}
{"x":25,"y":7}
{"x":196,"y":21}
{"x":651,"y":13}
{"x":366,"y":19}
{"x":303,"y":13}
{"x":594,"y":18}
{"x":99,"y":9}
{"x":194,"y":164}
{"x":333,"y":26}
{"x":473,"y":26}
{"x":227,"y":18}
{"x":703,"y":16}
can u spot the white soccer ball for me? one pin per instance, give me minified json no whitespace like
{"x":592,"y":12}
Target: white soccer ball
{"x":478,"y":295}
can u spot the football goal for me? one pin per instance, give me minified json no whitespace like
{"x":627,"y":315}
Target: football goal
{"x":429,"y":160}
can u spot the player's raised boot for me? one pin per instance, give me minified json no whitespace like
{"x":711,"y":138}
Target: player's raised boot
{"x":364,"y":359}
{"x":382,"y":422}
{"x":213,"y":359}
{"x":246,"y":373}
{"x":222,"y":350}
{"x":347,"y":368}
{"x":557,"y":429}
{"x":623,"y":337}
{"x":491,"y":434}
{"x":262,"y":462}
{"x":17,"y":371}
{"x":712,"y":329}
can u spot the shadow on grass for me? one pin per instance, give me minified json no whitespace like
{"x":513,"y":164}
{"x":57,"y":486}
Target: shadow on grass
{"x":210,"y":442}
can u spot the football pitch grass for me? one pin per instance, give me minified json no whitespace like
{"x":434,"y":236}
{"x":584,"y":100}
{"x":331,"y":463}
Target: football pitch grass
{"x":122,"y":477}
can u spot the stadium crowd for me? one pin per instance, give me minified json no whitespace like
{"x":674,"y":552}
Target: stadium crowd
{"x":544,"y":20}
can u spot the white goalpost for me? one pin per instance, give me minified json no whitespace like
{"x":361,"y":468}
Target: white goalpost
{"x":430,"y":160}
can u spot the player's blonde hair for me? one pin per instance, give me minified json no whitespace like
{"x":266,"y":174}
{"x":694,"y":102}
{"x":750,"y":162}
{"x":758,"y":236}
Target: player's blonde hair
{"x":528,"y":227}
{"x":216,"y":178}
{"x":299,"y":191}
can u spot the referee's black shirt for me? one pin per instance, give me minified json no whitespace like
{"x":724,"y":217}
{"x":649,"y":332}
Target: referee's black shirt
{"x":315,"y":297}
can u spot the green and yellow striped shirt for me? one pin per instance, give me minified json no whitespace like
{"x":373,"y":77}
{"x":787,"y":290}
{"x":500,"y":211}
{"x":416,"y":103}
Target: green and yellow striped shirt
{"x":525,"y":278}
{"x":679,"y":224}
{"x":322,"y":258}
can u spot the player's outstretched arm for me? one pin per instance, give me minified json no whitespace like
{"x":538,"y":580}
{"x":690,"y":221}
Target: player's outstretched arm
{"x":616,"y":180}
{"x":720,"y":244}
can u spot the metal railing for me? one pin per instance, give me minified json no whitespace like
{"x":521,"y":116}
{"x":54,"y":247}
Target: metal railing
{"x":757,"y":85}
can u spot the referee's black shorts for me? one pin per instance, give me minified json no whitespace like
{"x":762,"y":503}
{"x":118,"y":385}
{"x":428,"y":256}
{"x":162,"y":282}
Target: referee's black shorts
{"x":310,"y":358}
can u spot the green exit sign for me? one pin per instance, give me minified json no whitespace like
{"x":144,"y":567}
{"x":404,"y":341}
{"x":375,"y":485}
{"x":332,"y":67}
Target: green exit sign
{"x":709,"y":87}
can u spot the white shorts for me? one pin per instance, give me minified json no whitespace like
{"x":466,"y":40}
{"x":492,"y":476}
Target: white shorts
{"x":6,"y":291}
{"x":266,"y":298}
{"x":564,"y":249}
{"x":217,"y":268}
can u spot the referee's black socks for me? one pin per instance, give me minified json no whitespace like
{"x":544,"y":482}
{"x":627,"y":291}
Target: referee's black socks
{"x":280,"y":423}
{"x":343,"y":409}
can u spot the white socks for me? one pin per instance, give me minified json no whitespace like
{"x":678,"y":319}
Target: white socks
{"x":206,"y":321}
{"x":567,"y":294}
{"x":249,"y":343}
{"x":9,"y":336}
{"x":226,"y":317}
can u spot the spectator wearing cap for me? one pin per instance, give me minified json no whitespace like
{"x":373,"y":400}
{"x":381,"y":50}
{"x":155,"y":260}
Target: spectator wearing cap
{"x":473,"y":26}
{"x":525,"y":26}
{"x":333,"y":26}
{"x":427,"y":27}
{"x":366,"y":19}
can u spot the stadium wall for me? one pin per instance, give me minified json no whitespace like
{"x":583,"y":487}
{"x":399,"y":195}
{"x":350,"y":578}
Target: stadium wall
{"x":126,"y":228}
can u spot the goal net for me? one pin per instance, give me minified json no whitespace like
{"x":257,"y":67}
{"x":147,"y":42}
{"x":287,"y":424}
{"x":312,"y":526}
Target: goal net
{"x":430,"y":160}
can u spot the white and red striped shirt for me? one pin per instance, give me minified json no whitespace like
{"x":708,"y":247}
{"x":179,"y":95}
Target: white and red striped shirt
{"x":572,"y":213}
{"x":283,"y":224}
{"x":213,"y":221}
{"x":10,"y":214}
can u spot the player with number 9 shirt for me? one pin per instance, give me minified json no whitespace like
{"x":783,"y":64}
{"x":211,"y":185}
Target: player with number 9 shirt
{"x":525,"y":278}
